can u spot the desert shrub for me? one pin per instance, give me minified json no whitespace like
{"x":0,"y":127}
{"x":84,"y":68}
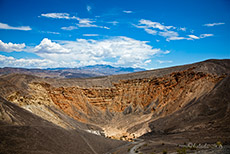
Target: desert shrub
{"x":145,"y":145}
{"x":164,"y":152}
{"x":181,"y":151}
{"x":218,"y":143}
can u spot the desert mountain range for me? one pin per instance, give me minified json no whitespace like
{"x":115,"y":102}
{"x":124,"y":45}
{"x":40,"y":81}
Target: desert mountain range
{"x":155,"y":111}
{"x":78,"y":72}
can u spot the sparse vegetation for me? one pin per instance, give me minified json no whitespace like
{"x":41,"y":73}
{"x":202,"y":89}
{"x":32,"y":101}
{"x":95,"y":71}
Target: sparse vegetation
{"x":164,"y":152}
{"x":181,"y":151}
{"x":218,"y":143}
{"x":145,"y":145}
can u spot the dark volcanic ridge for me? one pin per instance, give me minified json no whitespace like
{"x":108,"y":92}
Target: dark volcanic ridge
{"x":155,"y":110}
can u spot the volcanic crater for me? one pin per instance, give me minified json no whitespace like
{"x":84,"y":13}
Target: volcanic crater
{"x":189,"y":103}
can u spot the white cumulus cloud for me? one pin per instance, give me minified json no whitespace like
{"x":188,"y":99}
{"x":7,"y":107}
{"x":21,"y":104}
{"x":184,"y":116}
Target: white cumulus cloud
{"x":123,"y":50}
{"x":49,"y":47}
{"x":116,"y":51}
{"x":9,"y":47}
{"x":6,"y":26}
{"x":33,"y":63}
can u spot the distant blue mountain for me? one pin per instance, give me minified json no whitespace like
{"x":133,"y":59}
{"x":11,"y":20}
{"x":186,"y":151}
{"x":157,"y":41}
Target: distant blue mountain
{"x":81,"y":72}
{"x":58,"y":68}
{"x":110,"y":70}
{"x":96,"y":66}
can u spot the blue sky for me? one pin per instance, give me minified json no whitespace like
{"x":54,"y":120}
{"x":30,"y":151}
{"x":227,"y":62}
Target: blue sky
{"x":143,"y":33}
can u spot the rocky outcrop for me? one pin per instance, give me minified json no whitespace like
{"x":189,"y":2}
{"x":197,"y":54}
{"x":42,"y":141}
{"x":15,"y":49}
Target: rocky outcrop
{"x":38,"y":102}
{"x":161,"y":96}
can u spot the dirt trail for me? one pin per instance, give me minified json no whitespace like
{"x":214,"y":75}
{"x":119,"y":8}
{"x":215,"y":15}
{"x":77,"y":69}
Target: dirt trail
{"x":135,"y":148}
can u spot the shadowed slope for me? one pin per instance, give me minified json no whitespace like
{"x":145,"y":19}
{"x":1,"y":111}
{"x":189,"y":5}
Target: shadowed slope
{"x":23,"y":132}
{"x":206,"y":119}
